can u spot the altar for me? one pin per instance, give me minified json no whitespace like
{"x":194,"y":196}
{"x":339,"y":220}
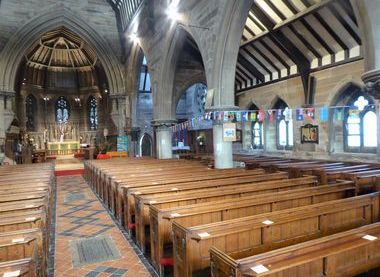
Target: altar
{"x":63,"y":148}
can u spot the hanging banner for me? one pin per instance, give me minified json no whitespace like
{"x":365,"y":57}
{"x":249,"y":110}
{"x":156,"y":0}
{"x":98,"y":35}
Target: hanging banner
{"x":253,"y":116}
{"x":244,"y":116}
{"x":338,"y":114}
{"x":310,"y":113}
{"x":122,"y":144}
{"x":288,"y":114}
{"x":323,"y":114}
{"x":229,"y":132}
{"x":271,"y":114}
{"x":299,"y":114}
{"x":238,"y":116}
{"x":279,"y":115}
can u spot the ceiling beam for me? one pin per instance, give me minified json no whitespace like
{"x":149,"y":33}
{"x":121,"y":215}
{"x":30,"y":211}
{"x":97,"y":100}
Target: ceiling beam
{"x":263,"y":66}
{"x":248,"y":66}
{"x":275,"y":9}
{"x":268,"y":60}
{"x":345,"y":24}
{"x":247,"y":77}
{"x":305,"y":42}
{"x":276,"y":55}
{"x":309,"y":10}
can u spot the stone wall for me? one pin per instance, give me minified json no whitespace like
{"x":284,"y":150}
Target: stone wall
{"x":328,"y":86}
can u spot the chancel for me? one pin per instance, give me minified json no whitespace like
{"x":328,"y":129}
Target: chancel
{"x":189,"y":138}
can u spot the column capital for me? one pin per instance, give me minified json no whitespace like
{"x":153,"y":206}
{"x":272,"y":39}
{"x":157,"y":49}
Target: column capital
{"x":371,"y":80}
{"x":8,"y":93}
{"x":163,"y":123}
{"x":222,"y":108}
{"x":118,"y":96}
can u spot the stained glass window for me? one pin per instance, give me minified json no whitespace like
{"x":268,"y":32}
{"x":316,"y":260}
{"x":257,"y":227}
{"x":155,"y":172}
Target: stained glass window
{"x":30,"y":110}
{"x":93,"y":112}
{"x":62,"y":110}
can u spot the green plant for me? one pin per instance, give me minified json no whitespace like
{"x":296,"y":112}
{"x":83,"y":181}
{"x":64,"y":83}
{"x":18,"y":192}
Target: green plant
{"x":104,"y":147}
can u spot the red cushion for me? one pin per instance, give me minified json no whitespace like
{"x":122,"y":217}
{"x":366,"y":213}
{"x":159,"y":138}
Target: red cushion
{"x":131,"y":226}
{"x":167,"y":261}
{"x":103,"y":157}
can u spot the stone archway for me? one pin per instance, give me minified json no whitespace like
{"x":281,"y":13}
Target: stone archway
{"x":54,"y":17}
{"x":146,"y":145}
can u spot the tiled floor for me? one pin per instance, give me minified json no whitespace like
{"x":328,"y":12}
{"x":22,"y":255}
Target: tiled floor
{"x":80,"y":215}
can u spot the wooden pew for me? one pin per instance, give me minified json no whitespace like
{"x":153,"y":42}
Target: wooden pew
{"x":343,"y":254}
{"x":23,"y":244}
{"x":119,"y":188}
{"x":23,"y":267}
{"x":327,"y":176}
{"x":212,"y":194}
{"x":204,"y":213}
{"x":260,"y":233}
{"x":130,"y":193}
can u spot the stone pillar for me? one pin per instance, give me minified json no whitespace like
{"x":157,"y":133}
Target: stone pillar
{"x":222,"y":149}
{"x":2,"y":127}
{"x":118,"y":113}
{"x":247,"y":135}
{"x":163,"y":138}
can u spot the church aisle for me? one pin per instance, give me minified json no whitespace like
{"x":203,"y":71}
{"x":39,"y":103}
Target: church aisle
{"x":88,"y":243}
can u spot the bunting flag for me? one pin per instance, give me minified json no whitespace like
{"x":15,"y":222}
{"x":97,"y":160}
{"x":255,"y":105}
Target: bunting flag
{"x":288,"y":114}
{"x":279,"y":115}
{"x":338,"y":114}
{"x":323,"y":114}
{"x":299,"y":114}
{"x":220,"y":116}
{"x":226,"y":117}
{"x":253,"y":116}
{"x":271,"y":114}
{"x":244,"y":116}
{"x":310,"y":113}
{"x":231,"y":116}
{"x":238,"y":116}
{"x":261,"y":116}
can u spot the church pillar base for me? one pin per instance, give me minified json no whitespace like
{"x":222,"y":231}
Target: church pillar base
{"x":163,"y":138}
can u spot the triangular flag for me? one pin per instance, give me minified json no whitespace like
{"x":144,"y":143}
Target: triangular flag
{"x":323,"y":114}
{"x":310,"y":113}
{"x":299,"y":114}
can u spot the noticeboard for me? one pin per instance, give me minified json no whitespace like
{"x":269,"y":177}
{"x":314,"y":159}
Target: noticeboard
{"x":122,"y":144}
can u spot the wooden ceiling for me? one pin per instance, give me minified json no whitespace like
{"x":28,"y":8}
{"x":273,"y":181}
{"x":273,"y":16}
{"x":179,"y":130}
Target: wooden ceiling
{"x":285,"y":38}
{"x":61,"y":50}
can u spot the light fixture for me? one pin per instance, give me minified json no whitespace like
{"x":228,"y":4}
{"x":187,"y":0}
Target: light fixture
{"x":46,"y":98}
{"x":133,"y":37}
{"x":172,"y":11}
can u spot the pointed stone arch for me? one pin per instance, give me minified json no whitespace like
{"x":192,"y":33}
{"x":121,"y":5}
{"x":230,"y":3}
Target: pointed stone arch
{"x":53,"y":17}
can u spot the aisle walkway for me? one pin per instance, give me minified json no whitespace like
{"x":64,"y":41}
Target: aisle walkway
{"x":88,"y":243}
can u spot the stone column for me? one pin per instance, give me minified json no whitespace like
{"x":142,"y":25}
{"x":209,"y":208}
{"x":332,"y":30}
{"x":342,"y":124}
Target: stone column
{"x":118,"y":112}
{"x":222,"y":149}
{"x":163,"y":138}
{"x":2,"y":127}
{"x":247,"y":135}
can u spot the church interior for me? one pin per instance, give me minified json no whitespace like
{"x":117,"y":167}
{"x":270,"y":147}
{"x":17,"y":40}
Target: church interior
{"x":269,"y":109}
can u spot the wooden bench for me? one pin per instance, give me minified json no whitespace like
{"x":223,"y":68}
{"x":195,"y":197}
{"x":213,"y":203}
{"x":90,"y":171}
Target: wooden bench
{"x":119,"y":195}
{"x":23,"y":244}
{"x":209,"y":195}
{"x":347,"y":253}
{"x":23,"y":267}
{"x":252,"y":235}
{"x":204,"y":213}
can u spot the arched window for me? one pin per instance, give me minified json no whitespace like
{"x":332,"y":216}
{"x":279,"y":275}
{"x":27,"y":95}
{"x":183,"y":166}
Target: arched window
{"x":360,"y":125}
{"x":30,"y":111}
{"x":257,"y":131}
{"x":284,"y":126}
{"x":93,"y":113}
{"x":144,"y":84}
{"x":257,"y":135}
{"x":62,"y":110}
